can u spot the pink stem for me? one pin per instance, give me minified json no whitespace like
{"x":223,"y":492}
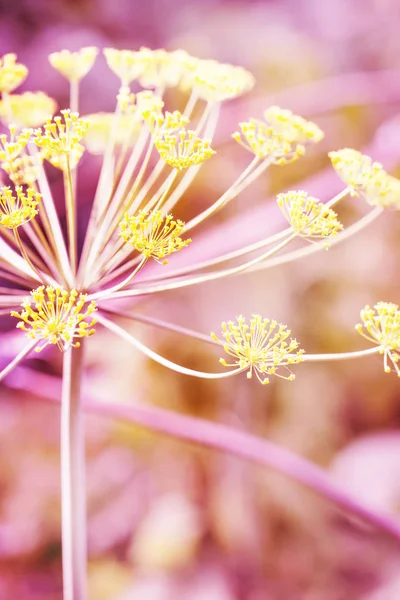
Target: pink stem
{"x":219,"y":437}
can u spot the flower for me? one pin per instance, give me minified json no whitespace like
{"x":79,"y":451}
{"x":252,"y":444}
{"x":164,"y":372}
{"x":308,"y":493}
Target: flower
{"x":382,"y":325}
{"x":366,"y":178}
{"x":12,"y":74}
{"x":281,"y":138}
{"x":215,"y":82}
{"x":19,"y":166}
{"x":183,"y":150}
{"x":30,"y":109}
{"x":17,"y":208}
{"x":74,"y":65}
{"x":260,"y":346}
{"x":153,"y":235}
{"x":308,"y":216}
{"x":60,"y":141}
{"x":58,"y":317}
{"x":128,"y":65}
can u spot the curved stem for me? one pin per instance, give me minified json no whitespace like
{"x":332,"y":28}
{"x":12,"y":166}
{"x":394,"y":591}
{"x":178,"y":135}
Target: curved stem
{"x":73,"y":503}
{"x":125,"y":335}
{"x":342,"y":355}
{"x":20,"y":356}
{"x":222,"y":438}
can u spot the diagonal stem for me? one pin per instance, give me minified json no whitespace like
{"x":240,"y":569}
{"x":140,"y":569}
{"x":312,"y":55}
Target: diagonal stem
{"x":73,"y":507}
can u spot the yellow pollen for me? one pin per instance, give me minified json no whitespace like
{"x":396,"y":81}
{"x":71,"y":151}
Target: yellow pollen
{"x":381,"y":325}
{"x":12,"y":74}
{"x":60,"y":141}
{"x":260,"y":346}
{"x":19,"y":208}
{"x":308,"y":216}
{"x":74,"y":65}
{"x":153,"y":235}
{"x":366,"y":178}
{"x":30,"y":109}
{"x":183,"y":150}
{"x":56,"y":316}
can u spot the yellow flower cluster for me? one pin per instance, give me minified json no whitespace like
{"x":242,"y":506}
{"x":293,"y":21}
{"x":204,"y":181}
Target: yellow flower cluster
{"x":367,"y":178}
{"x":281,"y":138}
{"x":19,"y":166}
{"x":60,"y":141}
{"x":100,"y":126}
{"x":260,"y":346}
{"x":30,"y":109}
{"x":17,"y":208}
{"x":215,"y":82}
{"x":167,"y":123}
{"x":308,"y":216}
{"x":153,"y":235}
{"x":382,"y":326}
{"x":208,"y":79}
{"x":56,"y":316}
{"x":74,"y":65}
{"x":12,"y":74}
{"x":183,"y":150}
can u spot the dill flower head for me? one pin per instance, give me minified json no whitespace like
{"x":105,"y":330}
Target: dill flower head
{"x":19,"y":207}
{"x":56,"y":316}
{"x":381,"y":325}
{"x":100,"y":126}
{"x":281,"y":138}
{"x":308,"y":216}
{"x":153,"y":235}
{"x":293,"y":127}
{"x":12,"y":74}
{"x":259,"y":346}
{"x":166,"y":123}
{"x":165,"y":69}
{"x":30,"y":109}
{"x":128,"y":65}
{"x":74,"y":65}
{"x":183,"y":150}
{"x":19,"y":166}
{"x":60,"y":141}
{"x":365,"y":177}
{"x":215,"y":82}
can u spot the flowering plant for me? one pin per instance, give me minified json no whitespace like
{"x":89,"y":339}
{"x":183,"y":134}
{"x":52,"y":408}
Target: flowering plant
{"x":66,"y":294}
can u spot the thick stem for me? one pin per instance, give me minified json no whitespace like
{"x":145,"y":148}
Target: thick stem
{"x":74,"y":553}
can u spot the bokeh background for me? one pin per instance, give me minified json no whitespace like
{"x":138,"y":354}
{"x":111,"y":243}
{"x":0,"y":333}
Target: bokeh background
{"x":168,"y":521}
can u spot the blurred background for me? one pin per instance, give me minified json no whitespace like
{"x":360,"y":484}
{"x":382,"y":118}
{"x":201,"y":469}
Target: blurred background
{"x":169,"y":521}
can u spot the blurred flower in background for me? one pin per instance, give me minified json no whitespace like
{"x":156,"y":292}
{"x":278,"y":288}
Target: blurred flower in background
{"x":167,"y":520}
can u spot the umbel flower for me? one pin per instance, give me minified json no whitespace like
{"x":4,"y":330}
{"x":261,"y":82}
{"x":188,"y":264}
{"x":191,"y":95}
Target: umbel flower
{"x":60,"y":296}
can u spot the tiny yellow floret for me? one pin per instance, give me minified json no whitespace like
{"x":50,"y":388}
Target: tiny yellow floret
{"x":293,"y":127}
{"x":12,"y":74}
{"x":260,"y":346}
{"x":381,"y":325}
{"x":17,"y":208}
{"x":60,"y":140}
{"x":153,"y":235}
{"x":183,"y":150}
{"x":366,"y":178}
{"x":309,"y":217}
{"x":30,"y":109}
{"x":74,"y":65}
{"x":56,"y":316}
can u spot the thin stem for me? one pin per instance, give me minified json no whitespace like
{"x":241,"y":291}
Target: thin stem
{"x":125,"y":335}
{"x":123,"y":283}
{"x":24,"y":254}
{"x":160,"y":324}
{"x":70,"y":206}
{"x":74,"y":553}
{"x":74,"y":96}
{"x":342,"y":355}
{"x":184,"y":282}
{"x":20,"y":356}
